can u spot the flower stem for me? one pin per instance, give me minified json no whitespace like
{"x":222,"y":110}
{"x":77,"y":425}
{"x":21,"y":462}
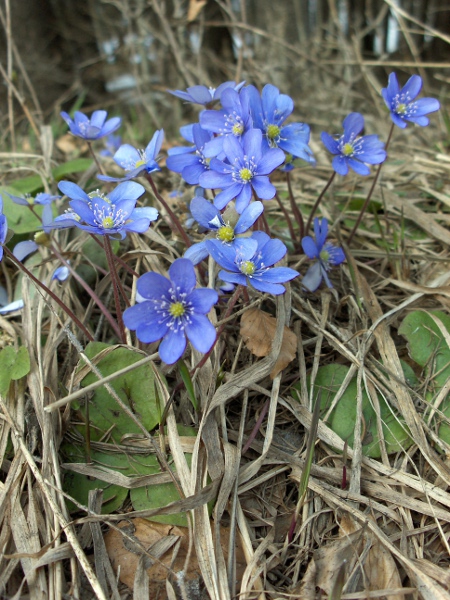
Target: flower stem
{"x":90,"y":291}
{"x":288,"y":221}
{"x":317,"y":202}
{"x":116,"y":286}
{"x":175,"y":220}
{"x":53,"y":296}
{"x":231,"y":302}
{"x":297,"y":214}
{"x":372,"y":188}
{"x":91,"y":150}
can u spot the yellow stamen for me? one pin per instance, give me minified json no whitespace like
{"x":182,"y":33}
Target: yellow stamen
{"x":245,"y":174}
{"x":176,"y":309}
{"x":347,"y":149}
{"x":225,"y":234}
{"x":247,"y":267}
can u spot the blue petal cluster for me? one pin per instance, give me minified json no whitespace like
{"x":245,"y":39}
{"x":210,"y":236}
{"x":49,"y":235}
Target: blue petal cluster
{"x":171,"y":310}
{"x":94,"y":128}
{"x":190,"y":161}
{"x":112,"y":214}
{"x":354,"y":151}
{"x":246,"y":170}
{"x":324,"y":254}
{"x":269,"y":110}
{"x":250,"y":262}
{"x":135,"y":161}
{"x":200,"y":94}
{"x":402,"y":104}
{"x":225,"y":227}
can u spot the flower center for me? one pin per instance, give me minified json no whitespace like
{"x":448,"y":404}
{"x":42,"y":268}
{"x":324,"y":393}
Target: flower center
{"x":273,"y":131}
{"x":324,"y":256}
{"x":401,"y":109}
{"x":225,"y":234}
{"x":237,"y":129}
{"x":245,"y":175}
{"x":247,"y":267}
{"x":347,"y":149}
{"x":98,"y":194}
{"x":177,"y":309}
{"x":108,"y":222}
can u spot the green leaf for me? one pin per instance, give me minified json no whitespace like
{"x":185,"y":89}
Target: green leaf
{"x":427,"y":334}
{"x":156,"y":496}
{"x":343,"y":417}
{"x":13,"y":365}
{"x":78,"y":485}
{"x":185,"y":376}
{"x":427,"y":344}
{"x":77,"y":165}
{"x":136,"y":389}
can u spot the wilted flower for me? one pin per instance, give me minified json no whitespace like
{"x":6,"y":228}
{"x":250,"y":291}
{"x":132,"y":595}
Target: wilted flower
{"x":325,"y":254}
{"x":353,"y":151}
{"x":249,"y":262}
{"x":247,"y":169}
{"x":94,"y":128}
{"x":171,"y":310}
{"x":135,"y":161}
{"x":225,"y":227}
{"x":402,"y":105}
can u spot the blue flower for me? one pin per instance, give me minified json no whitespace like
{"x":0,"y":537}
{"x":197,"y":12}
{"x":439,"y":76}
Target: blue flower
{"x":248,"y":168}
{"x":112,"y":144}
{"x":135,"y":161}
{"x":249,"y":262}
{"x":93,"y":128}
{"x":171,"y":310}
{"x":190,"y":161}
{"x":226,"y":227}
{"x":103,"y":214}
{"x":353,"y":151}
{"x":269,"y":111}
{"x":402,"y":105}
{"x":200,"y":94}
{"x":325,"y":254}
{"x":3,"y":228}
{"x":42,"y":198}
{"x":234,"y":119}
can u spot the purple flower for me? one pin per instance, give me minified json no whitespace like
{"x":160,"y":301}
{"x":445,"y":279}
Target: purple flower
{"x":248,"y":168}
{"x":190,"y":161}
{"x":352,"y":151}
{"x":111,"y":214}
{"x":200,"y":94}
{"x":233,"y":119}
{"x":269,"y":111}
{"x":3,"y":228}
{"x":325,"y":254}
{"x":402,"y":105}
{"x":249,"y":262}
{"x":93,"y":128}
{"x":135,"y":161}
{"x":171,"y":310}
{"x":225,"y":227}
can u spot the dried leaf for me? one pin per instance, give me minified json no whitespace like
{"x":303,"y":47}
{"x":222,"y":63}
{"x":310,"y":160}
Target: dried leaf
{"x":167,"y":545}
{"x":195,"y":6}
{"x":381,"y":571}
{"x":258,"y":331}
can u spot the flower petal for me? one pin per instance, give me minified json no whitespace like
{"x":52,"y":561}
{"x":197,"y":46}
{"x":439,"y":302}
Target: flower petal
{"x":172,"y":346}
{"x":182,"y":275}
{"x":201,"y":333}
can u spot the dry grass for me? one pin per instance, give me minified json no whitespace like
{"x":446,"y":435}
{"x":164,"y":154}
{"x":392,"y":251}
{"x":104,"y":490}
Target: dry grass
{"x":386,"y":534}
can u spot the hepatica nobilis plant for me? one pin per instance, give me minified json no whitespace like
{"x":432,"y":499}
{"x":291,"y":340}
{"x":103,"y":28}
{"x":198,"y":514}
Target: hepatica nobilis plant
{"x":244,"y":143}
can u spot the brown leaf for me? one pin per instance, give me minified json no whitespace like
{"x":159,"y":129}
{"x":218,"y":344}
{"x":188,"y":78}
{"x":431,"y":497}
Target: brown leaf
{"x":258,"y":332}
{"x":381,"y":571}
{"x":195,"y":6}
{"x":163,"y":543}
